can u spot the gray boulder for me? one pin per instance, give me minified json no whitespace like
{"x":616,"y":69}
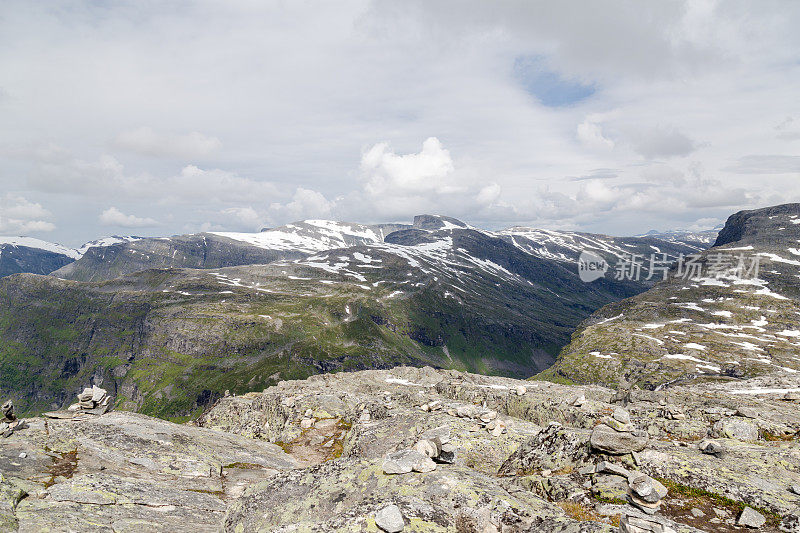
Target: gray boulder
{"x":736,"y":428}
{"x":608,"y":440}
{"x":390,"y":519}
{"x":751,"y":518}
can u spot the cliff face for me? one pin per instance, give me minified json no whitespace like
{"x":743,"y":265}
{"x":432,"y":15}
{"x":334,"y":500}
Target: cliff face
{"x":15,"y":259}
{"x":183,"y":251}
{"x":766,"y":227}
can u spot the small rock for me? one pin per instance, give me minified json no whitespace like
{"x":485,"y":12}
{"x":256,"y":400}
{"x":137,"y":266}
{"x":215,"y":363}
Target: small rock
{"x":405,"y":461}
{"x":712,"y":447}
{"x":618,"y":426}
{"x":309,"y":413}
{"x":578,"y":401}
{"x":648,"y":489}
{"x":751,"y":518}
{"x":585,"y":470}
{"x":488,"y":417}
{"x":791,"y":523}
{"x":795,"y":489}
{"x":23,"y":455}
{"x":747,"y":412}
{"x":697,"y":513}
{"x":306,"y":423}
{"x":609,"y":487}
{"x":390,"y":519}
{"x":647,"y":507}
{"x":621,"y":415}
{"x":638,"y":524}
{"x":427,"y":448}
{"x":611,"y":468}
{"x":521,"y":390}
{"x":499,"y":429}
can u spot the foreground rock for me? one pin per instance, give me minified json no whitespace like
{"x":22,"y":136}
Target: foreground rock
{"x":410,"y":449}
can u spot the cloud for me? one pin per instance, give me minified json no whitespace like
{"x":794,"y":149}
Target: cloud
{"x":18,"y":216}
{"x":244,"y":217}
{"x":524,"y":96}
{"x":114,"y":217}
{"x":767,"y":164}
{"x":401,"y":185}
{"x":56,"y":170}
{"x":304,"y":204}
{"x":590,"y":133}
{"x":146,"y":141}
{"x":662,"y":142}
{"x":788,"y":129}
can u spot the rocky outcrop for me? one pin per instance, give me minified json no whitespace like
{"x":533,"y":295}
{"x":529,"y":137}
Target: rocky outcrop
{"x":409,"y":449}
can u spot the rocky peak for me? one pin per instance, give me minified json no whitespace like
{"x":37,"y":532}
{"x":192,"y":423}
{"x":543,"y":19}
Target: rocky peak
{"x":437,"y":222}
{"x":769,"y":225}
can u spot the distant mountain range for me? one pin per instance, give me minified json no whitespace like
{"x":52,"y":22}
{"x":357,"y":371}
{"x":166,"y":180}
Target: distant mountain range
{"x":168,"y":324}
{"x":718,"y":325}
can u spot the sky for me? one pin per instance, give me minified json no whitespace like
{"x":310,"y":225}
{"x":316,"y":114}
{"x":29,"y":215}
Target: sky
{"x":161,"y":118}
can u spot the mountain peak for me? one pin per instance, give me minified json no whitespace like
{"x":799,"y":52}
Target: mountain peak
{"x":767,"y":224}
{"x":437,"y":222}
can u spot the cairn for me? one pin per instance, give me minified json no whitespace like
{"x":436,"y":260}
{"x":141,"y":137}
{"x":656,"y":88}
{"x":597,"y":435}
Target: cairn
{"x":94,"y":400}
{"x":9,"y":421}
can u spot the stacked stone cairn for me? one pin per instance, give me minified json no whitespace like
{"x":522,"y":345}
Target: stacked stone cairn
{"x":94,"y":400}
{"x":9,"y":423}
{"x":432,"y":447}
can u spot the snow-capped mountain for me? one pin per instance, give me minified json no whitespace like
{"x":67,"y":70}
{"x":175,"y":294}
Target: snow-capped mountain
{"x":702,"y":239}
{"x":106,"y":241}
{"x":241,"y":310}
{"x":27,"y":254}
{"x":733,"y":313}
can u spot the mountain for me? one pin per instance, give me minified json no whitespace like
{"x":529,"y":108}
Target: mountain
{"x":26,"y":254}
{"x":218,"y":250}
{"x":320,"y":296}
{"x":725,"y":323}
{"x":701,"y":239}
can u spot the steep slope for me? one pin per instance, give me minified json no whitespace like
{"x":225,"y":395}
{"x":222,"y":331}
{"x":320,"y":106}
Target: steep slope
{"x":26,"y":254}
{"x":725,"y":323}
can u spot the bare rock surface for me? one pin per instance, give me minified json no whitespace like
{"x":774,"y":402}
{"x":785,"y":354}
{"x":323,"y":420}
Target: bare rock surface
{"x":419,"y":449}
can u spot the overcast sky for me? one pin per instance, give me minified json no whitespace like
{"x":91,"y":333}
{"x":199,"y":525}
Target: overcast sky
{"x":157,"y":118}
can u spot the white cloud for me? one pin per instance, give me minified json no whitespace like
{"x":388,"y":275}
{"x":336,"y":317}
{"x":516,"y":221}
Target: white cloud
{"x":402,"y":185}
{"x":146,"y":141}
{"x":244,"y":217}
{"x":590,"y":133}
{"x":721,"y":78}
{"x":662,"y":142}
{"x":304,"y":204}
{"x":114,"y":217}
{"x":18,"y":216}
{"x":767,"y":164}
